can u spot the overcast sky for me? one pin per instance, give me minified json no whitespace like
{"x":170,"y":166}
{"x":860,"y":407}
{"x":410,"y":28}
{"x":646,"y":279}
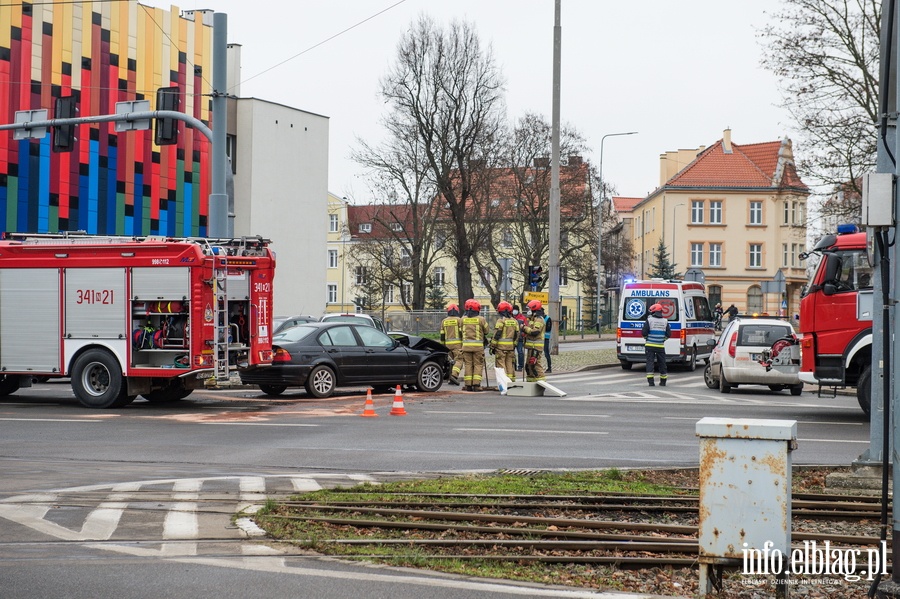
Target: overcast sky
{"x":679,"y":73}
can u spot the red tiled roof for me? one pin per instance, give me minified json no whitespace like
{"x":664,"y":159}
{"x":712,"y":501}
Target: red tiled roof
{"x":621,"y":204}
{"x":768,"y":164}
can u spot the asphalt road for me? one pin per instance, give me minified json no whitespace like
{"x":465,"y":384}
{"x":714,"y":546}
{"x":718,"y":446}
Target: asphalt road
{"x":138,"y":501}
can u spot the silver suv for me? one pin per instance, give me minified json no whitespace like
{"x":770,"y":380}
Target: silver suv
{"x":355,"y":317}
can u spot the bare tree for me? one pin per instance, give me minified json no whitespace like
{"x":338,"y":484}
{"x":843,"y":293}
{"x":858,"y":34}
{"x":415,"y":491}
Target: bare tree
{"x":446,"y":89}
{"x":399,"y":178}
{"x":520,"y":188}
{"x":826,"y":56}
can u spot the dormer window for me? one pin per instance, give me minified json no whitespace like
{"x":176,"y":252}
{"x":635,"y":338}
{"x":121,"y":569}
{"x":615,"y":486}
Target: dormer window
{"x":396,"y":227}
{"x":365,"y":227}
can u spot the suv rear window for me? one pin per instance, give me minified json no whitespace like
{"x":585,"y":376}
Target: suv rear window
{"x":761,"y":334}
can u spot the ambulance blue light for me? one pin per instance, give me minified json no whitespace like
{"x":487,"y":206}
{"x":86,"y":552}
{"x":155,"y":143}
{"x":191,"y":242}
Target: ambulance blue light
{"x":847,"y":228}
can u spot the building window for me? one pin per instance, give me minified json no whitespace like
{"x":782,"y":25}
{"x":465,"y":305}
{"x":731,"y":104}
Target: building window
{"x":754,"y":253}
{"x":331,"y":293}
{"x":507,"y":239}
{"x":715,"y":255}
{"x":486,"y":277}
{"x":440,"y":240}
{"x":405,"y":260}
{"x":756,"y":213}
{"x":389,"y":295}
{"x":396,"y":227}
{"x":332,"y":223}
{"x":715,"y":212}
{"x":754,"y":300}
{"x":332,"y":259}
{"x":406,"y":292}
{"x":696,"y":254}
{"x":360,"y":275}
{"x":696,"y":212}
{"x":715,"y":294}
{"x":796,"y":250}
{"x":439,"y":276}
{"x":563,"y":276}
{"x":786,"y":220}
{"x":365,"y":227}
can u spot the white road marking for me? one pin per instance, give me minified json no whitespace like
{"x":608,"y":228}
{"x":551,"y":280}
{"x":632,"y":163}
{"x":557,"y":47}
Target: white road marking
{"x":305,"y":485}
{"x":450,"y":412}
{"x":46,"y":420}
{"x":255,"y":424}
{"x":578,"y":415}
{"x":525,"y":430}
{"x":181,"y":520}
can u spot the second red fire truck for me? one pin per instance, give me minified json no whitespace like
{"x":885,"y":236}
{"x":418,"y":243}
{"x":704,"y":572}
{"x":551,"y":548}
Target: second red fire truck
{"x":122,"y":317}
{"x":836,"y":316}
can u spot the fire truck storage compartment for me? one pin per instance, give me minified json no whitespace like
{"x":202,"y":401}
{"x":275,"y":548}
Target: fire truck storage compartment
{"x":29,"y":313}
{"x":95,"y":303}
{"x":160,"y":308}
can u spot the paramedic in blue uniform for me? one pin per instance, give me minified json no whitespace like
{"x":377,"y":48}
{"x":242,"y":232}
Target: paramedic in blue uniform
{"x":656,"y":330}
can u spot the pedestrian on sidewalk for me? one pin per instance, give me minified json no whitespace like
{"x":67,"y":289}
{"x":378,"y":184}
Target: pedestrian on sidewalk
{"x":655,"y":331}
{"x":548,"y":327}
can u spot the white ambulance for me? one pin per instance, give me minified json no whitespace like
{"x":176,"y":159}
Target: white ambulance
{"x":684,"y":304}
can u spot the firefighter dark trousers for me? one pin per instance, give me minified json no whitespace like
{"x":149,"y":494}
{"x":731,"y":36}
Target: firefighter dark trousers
{"x":656,"y":356}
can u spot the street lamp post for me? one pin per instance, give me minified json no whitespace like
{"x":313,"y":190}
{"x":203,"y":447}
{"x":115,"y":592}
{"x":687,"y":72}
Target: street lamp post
{"x":600,"y":222}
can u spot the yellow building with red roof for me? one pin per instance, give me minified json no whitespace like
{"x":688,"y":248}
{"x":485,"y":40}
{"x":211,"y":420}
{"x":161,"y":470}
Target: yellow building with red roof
{"x":734,"y":212}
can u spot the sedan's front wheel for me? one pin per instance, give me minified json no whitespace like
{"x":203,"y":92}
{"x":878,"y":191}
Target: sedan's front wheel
{"x":430,"y":377}
{"x":272,"y":389}
{"x":321,"y":382}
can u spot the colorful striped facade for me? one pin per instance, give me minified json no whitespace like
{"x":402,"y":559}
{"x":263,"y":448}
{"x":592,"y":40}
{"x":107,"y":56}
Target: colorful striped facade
{"x":112,"y":183}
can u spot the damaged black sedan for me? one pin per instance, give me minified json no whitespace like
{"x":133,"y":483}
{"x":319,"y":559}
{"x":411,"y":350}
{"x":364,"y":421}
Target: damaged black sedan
{"x":321,"y":356}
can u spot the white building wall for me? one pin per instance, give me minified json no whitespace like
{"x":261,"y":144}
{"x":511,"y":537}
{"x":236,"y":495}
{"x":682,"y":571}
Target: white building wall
{"x":281,"y":191}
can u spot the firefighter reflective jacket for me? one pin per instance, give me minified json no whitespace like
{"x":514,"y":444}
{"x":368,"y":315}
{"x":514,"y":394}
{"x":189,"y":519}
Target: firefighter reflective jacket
{"x":534,"y":333}
{"x":451,"y":332}
{"x":474,"y":332}
{"x":506,"y":333}
{"x":656,"y":331}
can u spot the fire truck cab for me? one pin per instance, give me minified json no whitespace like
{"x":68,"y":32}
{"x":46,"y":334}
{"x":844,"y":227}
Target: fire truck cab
{"x":836,"y":316}
{"x":122,"y":317}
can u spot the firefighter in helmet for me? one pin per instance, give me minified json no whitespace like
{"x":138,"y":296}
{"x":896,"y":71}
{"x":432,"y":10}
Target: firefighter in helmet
{"x":534,"y":342}
{"x":474,"y":339}
{"x":655,"y":331}
{"x":451,"y":336}
{"x":503,"y":343}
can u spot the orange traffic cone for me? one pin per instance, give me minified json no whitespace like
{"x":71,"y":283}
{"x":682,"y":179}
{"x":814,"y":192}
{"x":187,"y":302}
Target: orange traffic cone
{"x":369,"y":409}
{"x":397,"y":409}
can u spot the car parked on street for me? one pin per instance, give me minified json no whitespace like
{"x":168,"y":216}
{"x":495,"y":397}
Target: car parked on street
{"x":356,"y":317}
{"x":321,"y":356}
{"x":736,"y":357}
{"x":279,"y":323}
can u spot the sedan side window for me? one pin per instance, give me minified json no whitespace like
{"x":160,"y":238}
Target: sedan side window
{"x":373,"y":337}
{"x":338,"y":336}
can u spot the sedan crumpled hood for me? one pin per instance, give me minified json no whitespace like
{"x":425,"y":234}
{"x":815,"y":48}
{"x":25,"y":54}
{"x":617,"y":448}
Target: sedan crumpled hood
{"x":414,"y":342}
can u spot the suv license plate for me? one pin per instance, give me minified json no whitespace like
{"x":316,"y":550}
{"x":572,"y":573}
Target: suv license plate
{"x":634,"y":348}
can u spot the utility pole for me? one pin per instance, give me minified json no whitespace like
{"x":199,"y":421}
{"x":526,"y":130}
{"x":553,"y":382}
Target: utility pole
{"x":554,"y":185}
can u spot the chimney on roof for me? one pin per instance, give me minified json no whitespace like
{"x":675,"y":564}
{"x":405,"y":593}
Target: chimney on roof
{"x":726,"y":141}
{"x":574,"y":160}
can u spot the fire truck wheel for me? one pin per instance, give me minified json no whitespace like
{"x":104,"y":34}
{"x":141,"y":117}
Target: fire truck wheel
{"x":864,"y":390}
{"x":430,"y":377}
{"x":272,"y":389}
{"x":321,"y":382}
{"x":97,"y":380}
{"x":8,"y":385}
{"x":797,"y":389}
{"x":626,"y":365}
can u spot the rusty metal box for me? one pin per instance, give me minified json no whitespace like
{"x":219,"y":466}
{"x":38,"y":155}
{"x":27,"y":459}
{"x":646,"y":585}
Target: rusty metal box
{"x":745,"y":485}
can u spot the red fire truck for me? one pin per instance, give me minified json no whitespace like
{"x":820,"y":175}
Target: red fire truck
{"x":122,"y":316}
{"x":836,"y":316}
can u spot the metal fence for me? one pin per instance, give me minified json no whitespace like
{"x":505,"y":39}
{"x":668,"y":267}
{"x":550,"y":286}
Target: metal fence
{"x":417,"y":322}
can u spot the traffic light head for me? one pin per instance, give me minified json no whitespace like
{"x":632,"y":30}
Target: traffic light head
{"x":167,"y":98}
{"x":64,"y":135}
